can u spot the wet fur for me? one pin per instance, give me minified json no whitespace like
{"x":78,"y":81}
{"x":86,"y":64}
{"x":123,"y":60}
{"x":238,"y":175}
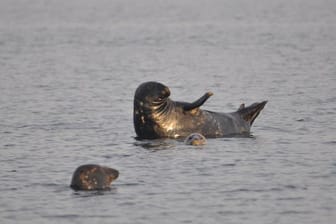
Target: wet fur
{"x":157,"y":116}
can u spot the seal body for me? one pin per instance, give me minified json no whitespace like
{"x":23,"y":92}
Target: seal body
{"x":195,"y":139}
{"x":157,"y":116}
{"x":93,"y":177}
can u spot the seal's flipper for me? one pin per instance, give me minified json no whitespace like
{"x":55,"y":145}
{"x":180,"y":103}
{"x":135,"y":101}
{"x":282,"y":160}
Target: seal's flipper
{"x":250,"y":113}
{"x":242,"y":106}
{"x":197,"y":103}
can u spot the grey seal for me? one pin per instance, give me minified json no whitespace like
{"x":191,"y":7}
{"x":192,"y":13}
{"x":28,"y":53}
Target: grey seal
{"x":155,"y":115}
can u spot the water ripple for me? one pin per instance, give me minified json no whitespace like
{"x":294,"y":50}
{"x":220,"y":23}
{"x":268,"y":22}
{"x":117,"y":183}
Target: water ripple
{"x":69,"y":70}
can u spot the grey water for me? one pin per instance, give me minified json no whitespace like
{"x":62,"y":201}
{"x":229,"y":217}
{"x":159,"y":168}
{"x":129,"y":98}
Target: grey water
{"x":68,"y":72}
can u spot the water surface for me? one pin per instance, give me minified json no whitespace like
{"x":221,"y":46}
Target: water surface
{"x":69,"y":70}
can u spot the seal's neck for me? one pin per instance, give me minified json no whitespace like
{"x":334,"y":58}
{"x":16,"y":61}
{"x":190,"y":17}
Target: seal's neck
{"x":161,"y":111}
{"x":155,"y":119}
{"x":164,"y":117}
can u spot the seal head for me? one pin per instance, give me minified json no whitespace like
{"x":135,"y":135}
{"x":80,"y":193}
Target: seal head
{"x":150,"y":105}
{"x":195,"y":139}
{"x":93,"y":177}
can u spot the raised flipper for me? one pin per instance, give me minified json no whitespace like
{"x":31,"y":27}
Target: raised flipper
{"x":242,"y":106}
{"x":251,"y":112}
{"x":197,"y":103}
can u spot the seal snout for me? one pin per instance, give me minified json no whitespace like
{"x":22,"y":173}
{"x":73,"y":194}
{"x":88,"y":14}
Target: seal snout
{"x":165,"y":92}
{"x":112,"y":173}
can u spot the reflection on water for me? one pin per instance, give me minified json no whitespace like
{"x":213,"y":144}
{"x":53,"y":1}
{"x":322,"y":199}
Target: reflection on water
{"x":157,"y":144}
{"x":112,"y":190}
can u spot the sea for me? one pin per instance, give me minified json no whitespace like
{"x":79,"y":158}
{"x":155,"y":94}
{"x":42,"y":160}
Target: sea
{"x":68,"y":73}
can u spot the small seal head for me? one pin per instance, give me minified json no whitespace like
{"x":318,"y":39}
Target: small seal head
{"x":93,"y":177}
{"x":195,"y":139}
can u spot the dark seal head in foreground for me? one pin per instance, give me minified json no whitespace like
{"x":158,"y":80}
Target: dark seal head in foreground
{"x":157,"y":116}
{"x":93,"y":177}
